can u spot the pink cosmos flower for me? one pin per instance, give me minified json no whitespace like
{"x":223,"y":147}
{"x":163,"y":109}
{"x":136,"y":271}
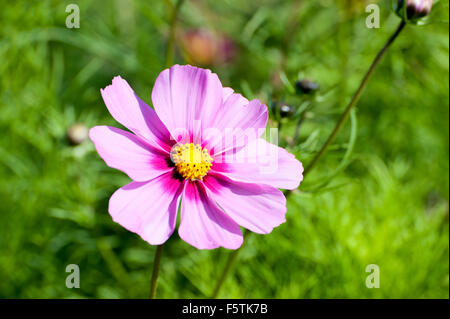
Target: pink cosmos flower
{"x":201,"y":146}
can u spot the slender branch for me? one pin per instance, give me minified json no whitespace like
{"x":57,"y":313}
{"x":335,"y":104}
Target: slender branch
{"x":171,"y":42}
{"x":232,"y":257}
{"x":355,"y":98}
{"x":156,"y":263}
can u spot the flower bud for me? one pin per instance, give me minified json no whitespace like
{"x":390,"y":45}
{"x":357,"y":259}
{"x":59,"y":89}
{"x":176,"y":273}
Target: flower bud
{"x":286,"y":110}
{"x":283,"y":109}
{"x":200,"y":46}
{"x":306,"y":86}
{"x":413,"y":10}
{"x":204,"y":47}
{"x":77,"y":133}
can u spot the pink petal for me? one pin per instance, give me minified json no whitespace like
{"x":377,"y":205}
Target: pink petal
{"x":238,"y":123}
{"x":258,"y":208}
{"x":262,"y":163}
{"x":130,"y":111}
{"x":186,"y":99}
{"x":125,"y":151}
{"x":203,"y":224}
{"x":226,"y":93}
{"x":148,"y":208}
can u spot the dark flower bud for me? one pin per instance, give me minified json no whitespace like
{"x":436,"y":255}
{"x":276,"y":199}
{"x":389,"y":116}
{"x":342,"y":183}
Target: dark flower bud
{"x":413,"y":10}
{"x":286,"y":110}
{"x":77,"y":133}
{"x":306,"y":86}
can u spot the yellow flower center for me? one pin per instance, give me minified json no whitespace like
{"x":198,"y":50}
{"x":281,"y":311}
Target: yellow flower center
{"x":191,"y":160}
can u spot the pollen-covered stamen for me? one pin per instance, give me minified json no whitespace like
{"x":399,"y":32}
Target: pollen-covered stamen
{"x":191,"y":160}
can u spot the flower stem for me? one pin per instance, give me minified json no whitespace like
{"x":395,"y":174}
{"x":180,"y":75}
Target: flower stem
{"x":155,"y":272}
{"x":232,"y":257}
{"x":171,"y":42}
{"x":355,"y":98}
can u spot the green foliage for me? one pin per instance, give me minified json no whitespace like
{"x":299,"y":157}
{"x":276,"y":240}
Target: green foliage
{"x":379,"y":196}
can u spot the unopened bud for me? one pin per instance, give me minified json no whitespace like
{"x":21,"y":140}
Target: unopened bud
{"x":306,"y":86}
{"x":77,"y":133}
{"x":204,"y":47}
{"x":200,"y":46}
{"x":285,"y":110}
{"x":413,"y":10}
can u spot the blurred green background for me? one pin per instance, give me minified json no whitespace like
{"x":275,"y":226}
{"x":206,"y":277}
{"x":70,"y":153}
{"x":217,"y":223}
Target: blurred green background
{"x":380,"y":196}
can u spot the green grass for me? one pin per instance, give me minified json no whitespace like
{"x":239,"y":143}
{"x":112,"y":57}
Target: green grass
{"x":386,"y":205}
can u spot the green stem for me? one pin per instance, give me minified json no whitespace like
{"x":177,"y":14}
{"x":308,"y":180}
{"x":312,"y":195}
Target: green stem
{"x":170,"y":50}
{"x":297,"y":129}
{"x":355,"y":98}
{"x":156,"y":263}
{"x":232,"y":257}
